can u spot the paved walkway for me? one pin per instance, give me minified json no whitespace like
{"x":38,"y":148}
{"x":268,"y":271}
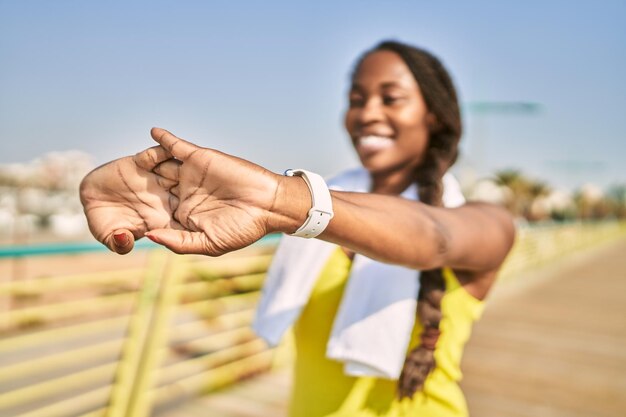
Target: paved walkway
{"x":552,"y":343}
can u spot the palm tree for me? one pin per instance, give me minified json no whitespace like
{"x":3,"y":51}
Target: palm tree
{"x":536,"y":193}
{"x":519,"y":186}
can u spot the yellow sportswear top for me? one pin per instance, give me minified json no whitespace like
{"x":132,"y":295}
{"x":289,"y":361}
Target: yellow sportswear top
{"x":322,"y":389}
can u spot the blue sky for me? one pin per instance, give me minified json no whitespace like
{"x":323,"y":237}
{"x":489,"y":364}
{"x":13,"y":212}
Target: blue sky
{"x":267,"y":80}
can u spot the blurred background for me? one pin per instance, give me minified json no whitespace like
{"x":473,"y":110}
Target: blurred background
{"x":81,"y":83}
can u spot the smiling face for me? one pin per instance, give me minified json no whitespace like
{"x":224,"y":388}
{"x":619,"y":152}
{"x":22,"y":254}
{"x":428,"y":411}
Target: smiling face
{"x":387,"y":119}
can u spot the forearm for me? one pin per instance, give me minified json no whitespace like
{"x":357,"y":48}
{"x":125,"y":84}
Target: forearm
{"x":386,"y":228}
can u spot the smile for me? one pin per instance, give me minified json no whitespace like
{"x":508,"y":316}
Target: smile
{"x":370,"y":144}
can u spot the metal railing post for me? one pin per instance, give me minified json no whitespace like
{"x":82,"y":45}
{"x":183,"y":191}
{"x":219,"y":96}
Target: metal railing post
{"x":138,"y":330}
{"x":155,"y":346}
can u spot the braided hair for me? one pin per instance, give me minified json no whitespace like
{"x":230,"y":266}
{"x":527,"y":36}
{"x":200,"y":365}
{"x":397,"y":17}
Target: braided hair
{"x":441,"y":153}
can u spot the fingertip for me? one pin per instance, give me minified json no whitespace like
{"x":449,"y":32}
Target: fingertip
{"x":161,"y":237}
{"x":177,"y":147}
{"x":122,"y":241}
{"x":157,"y":134}
{"x":153,"y":236}
{"x":150,"y":158}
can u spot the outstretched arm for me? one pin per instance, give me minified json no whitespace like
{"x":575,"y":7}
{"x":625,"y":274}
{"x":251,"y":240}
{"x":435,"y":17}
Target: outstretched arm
{"x":227,"y":203}
{"x":474,"y":237}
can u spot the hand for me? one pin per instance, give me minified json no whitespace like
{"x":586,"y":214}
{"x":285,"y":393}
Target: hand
{"x":224,"y":202}
{"x":123,"y":199}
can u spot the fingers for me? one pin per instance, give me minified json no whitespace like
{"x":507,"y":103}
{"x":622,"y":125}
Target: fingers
{"x":180,"y":241}
{"x":173,"y":202}
{"x":169,"y":169}
{"x":179,"y":148}
{"x":165,"y":183}
{"x":151,"y":157}
{"x":120,"y":241}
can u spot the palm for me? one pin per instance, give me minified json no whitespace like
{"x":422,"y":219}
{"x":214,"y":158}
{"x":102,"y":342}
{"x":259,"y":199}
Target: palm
{"x":122,"y":196}
{"x":225,"y":203}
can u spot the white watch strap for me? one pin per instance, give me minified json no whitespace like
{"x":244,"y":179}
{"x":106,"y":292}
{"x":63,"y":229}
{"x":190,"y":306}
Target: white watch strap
{"x":322,"y":205}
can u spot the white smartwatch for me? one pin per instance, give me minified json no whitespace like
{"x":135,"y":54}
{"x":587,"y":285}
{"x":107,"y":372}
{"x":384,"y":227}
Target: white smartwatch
{"x":322,"y":205}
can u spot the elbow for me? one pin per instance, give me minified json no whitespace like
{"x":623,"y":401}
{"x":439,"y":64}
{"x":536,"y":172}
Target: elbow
{"x":433,"y":248}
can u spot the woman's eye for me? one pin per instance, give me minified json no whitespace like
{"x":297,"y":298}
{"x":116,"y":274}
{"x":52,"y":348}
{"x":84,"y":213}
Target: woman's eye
{"x":389,"y":100}
{"x":356,"y":101}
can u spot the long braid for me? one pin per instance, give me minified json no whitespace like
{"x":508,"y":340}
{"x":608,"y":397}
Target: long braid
{"x":441,"y":99}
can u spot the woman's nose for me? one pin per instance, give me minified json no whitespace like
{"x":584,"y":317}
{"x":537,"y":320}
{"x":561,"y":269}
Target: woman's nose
{"x":372,"y":111}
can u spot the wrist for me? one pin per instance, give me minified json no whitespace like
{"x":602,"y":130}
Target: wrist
{"x":320,"y":210}
{"x":292,"y":203}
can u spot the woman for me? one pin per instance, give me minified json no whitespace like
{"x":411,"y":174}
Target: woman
{"x":404,"y":122}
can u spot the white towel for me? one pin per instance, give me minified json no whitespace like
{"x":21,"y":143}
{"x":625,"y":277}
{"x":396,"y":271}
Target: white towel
{"x":373,"y":325}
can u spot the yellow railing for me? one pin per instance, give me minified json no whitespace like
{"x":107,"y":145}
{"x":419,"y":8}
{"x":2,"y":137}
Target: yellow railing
{"x":128,"y":343}
{"x":539,"y":245}
{"x":123,"y":343}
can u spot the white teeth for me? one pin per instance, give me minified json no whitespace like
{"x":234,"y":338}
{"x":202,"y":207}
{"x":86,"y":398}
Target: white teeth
{"x":376,"y":142}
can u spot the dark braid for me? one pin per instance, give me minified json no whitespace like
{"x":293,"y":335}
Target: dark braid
{"x":441,"y":99}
